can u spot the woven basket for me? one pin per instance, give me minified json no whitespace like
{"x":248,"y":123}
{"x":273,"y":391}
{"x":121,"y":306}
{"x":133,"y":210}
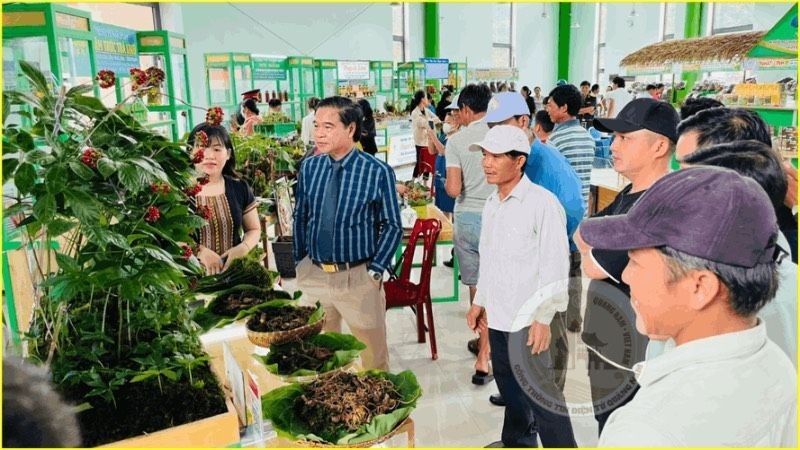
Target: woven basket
{"x":364,"y":444}
{"x":267,"y":338}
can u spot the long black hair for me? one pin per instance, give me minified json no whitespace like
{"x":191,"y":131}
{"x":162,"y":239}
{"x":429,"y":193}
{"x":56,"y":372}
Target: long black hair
{"x":418,"y":96}
{"x":250,"y":104}
{"x":217,"y":132}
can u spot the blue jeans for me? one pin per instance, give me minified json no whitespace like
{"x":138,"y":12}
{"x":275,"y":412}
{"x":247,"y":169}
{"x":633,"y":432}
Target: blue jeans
{"x":524,"y":415}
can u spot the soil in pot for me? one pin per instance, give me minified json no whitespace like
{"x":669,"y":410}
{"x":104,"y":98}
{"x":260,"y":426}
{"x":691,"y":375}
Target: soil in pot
{"x":144,"y":408}
{"x":284,"y":318}
{"x":345,"y":401}
{"x":232,"y":304}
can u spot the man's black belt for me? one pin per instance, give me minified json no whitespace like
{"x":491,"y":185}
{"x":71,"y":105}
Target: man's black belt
{"x":338,"y":267}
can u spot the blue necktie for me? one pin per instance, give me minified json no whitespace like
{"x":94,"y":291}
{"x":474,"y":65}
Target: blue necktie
{"x":328,"y":216}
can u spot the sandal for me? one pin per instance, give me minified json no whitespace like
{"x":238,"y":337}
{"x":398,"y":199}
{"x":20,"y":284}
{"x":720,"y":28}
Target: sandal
{"x":480,"y":378}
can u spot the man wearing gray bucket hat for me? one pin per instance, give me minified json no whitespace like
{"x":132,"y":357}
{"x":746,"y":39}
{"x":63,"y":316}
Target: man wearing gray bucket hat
{"x":702,"y":253}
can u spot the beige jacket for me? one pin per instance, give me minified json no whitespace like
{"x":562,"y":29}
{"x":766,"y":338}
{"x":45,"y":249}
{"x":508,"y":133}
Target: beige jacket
{"x":419,"y":124}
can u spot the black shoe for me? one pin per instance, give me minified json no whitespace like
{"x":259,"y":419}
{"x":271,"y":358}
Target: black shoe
{"x":497,"y":400}
{"x":448,"y":263}
{"x":472,"y":346}
{"x":480,"y":378}
{"x":496,"y":444}
{"x":574,"y":326}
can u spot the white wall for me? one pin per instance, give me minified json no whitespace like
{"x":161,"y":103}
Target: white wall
{"x":537,"y":44}
{"x":416,"y":27}
{"x":171,"y":17}
{"x":465,"y":33}
{"x":337,"y":31}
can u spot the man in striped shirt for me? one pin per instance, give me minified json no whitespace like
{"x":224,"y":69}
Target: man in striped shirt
{"x":346,"y":228}
{"x":568,"y":136}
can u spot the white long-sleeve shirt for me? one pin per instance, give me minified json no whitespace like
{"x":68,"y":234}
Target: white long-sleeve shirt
{"x":524,"y":257}
{"x":307,"y":128}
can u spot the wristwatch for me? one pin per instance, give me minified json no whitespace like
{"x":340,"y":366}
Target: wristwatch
{"x":377,"y":276}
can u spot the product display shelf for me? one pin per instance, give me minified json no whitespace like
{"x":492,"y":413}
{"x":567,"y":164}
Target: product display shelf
{"x":228,"y":75}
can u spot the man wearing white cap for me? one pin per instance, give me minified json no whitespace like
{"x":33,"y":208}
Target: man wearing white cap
{"x":522,"y":283}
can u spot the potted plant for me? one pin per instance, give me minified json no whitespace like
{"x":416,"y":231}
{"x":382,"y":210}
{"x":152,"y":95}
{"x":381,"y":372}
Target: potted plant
{"x":418,"y":196}
{"x":110,"y":319}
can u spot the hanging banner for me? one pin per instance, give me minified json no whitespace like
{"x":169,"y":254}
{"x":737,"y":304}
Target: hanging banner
{"x":506,"y":73}
{"x":115,"y":48}
{"x":353,"y":70}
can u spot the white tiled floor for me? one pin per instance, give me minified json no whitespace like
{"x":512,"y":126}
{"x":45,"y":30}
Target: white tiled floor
{"x":453,"y":412}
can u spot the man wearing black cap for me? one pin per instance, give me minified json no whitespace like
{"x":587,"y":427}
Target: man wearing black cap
{"x":643,"y":145}
{"x":702,"y":248}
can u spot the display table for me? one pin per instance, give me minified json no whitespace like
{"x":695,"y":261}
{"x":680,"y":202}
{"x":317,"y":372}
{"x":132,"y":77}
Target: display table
{"x":605,"y":184}
{"x":242,"y":349}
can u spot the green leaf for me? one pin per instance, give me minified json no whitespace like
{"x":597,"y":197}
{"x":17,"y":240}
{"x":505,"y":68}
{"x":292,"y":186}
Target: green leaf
{"x":80,"y":90}
{"x":67,"y":262}
{"x":170,"y":374}
{"x":59,"y":226}
{"x":45,"y":207}
{"x":132,"y":178}
{"x":24,"y":178}
{"x":92,"y":103}
{"x":83,"y":205}
{"x":207,"y":319}
{"x":143,"y":376}
{"x":107,"y":167}
{"x":6,"y":106}
{"x":35,"y":76}
{"x":9,"y":166}
{"x":80,"y":169}
{"x":39,"y":156}
{"x":25,"y":141}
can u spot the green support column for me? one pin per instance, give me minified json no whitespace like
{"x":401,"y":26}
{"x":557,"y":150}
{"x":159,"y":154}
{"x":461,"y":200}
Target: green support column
{"x":431,"y":12}
{"x":564,"y":10}
{"x":691,"y":29}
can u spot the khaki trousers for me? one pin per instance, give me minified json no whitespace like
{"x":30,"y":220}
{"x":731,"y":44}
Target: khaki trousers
{"x":354,"y":296}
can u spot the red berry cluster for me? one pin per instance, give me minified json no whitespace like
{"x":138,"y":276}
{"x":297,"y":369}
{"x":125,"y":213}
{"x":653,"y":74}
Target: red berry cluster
{"x":204,"y":211}
{"x":204,"y":180}
{"x":192,"y":191}
{"x":138,"y":78}
{"x":187,"y":251}
{"x":214,"y":115}
{"x":90,"y":157}
{"x":201,"y":139}
{"x":155,"y":76}
{"x":159,"y":187}
{"x":198,"y":155}
{"x":153,"y":214}
{"x":106,"y":78}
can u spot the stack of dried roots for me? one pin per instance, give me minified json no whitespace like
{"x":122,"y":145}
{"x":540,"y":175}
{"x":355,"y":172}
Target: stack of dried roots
{"x":345,"y":401}
{"x":299,"y":355}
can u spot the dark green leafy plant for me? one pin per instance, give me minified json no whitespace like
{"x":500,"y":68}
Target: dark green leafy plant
{"x":111,"y":319}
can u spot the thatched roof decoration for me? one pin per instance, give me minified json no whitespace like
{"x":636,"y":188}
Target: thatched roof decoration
{"x":722,"y":48}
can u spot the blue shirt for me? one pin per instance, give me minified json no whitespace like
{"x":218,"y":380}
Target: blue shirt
{"x":550,"y":169}
{"x":367,"y":224}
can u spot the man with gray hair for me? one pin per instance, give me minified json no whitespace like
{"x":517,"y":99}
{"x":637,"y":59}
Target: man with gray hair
{"x":702,"y":252}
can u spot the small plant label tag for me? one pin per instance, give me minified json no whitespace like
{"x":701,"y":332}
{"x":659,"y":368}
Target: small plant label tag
{"x":235,"y":379}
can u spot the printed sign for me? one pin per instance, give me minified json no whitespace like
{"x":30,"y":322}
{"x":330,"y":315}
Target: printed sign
{"x":268,"y":69}
{"x":402,"y":150}
{"x":436,"y":68}
{"x":115,"y":48}
{"x":353,"y":70}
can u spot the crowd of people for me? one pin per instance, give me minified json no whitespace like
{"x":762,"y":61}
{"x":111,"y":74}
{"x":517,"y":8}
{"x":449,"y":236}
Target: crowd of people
{"x":698,"y":262}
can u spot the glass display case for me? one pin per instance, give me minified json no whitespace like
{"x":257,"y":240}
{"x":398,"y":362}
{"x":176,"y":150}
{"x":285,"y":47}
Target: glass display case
{"x":228,"y":75}
{"x":457,"y":75}
{"x":381,"y":76}
{"x":270,"y":76}
{"x":169,"y":111}
{"x":56,"y":39}
{"x":410,"y":78}
{"x":326,"y":77}
{"x":300,"y":71}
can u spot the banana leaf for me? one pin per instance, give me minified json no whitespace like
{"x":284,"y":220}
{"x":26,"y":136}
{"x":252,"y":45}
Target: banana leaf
{"x":278,"y":406}
{"x":207,"y":319}
{"x":345,"y":347}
